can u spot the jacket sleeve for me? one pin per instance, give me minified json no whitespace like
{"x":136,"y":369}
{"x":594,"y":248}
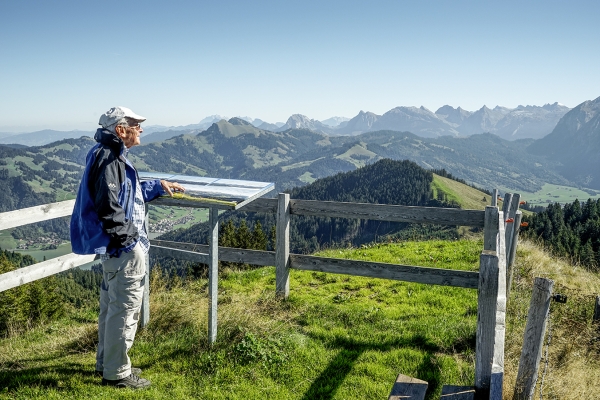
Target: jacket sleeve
{"x":152,"y":189}
{"x":107,"y":186}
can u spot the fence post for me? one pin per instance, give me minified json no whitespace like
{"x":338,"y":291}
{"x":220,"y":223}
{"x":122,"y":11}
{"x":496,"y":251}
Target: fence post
{"x":494,"y":202}
{"x":533,"y":339}
{"x":486,"y":321}
{"x":596,"y":317}
{"x":510,"y":212}
{"x":145,"y":310}
{"x":282,"y":247}
{"x":513,"y":251}
{"x":490,"y":228}
{"x":213,"y":272}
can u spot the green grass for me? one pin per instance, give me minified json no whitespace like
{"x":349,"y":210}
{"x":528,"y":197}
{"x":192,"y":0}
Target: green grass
{"x":336,"y":337}
{"x":467,"y":197}
{"x":556,"y":194}
{"x":6,"y":240}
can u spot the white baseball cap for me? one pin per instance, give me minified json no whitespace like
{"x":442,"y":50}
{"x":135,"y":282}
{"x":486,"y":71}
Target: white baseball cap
{"x":116,"y":114}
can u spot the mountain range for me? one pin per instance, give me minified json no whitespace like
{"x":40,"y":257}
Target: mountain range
{"x":569,"y":155}
{"x":532,"y":122}
{"x":523,"y":122}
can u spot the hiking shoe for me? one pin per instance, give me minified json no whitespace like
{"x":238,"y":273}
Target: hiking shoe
{"x":134,"y":370}
{"x":132,"y":381}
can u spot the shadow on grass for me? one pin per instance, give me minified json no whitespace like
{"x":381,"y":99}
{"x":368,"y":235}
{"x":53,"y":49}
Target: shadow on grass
{"x":15,"y":377}
{"x":327,"y":383}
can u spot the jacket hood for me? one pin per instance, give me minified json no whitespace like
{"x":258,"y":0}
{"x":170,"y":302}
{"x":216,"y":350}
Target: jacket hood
{"x":108,"y":138}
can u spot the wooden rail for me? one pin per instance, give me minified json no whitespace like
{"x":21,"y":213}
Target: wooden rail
{"x":378,"y":212}
{"x":407,"y":273}
{"x":500,"y":240}
{"x":25,"y":216}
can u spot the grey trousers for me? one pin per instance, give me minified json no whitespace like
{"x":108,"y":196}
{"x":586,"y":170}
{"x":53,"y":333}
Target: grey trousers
{"x":120,"y":302}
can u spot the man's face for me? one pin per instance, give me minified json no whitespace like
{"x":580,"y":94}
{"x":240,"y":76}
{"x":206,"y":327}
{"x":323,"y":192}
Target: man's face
{"x":130,"y":134}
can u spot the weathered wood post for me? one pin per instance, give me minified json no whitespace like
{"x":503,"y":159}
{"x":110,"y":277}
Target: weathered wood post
{"x":490,"y":228}
{"x":213,"y":272}
{"x":282,"y":247}
{"x":491,"y":309}
{"x":533,"y":338}
{"x":513,"y":251}
{"x":510,"y":212}
{"x":486,"y":321}
{"x":145,"y":310}
{"x":494,"y":198}
{"x":596,"y":317}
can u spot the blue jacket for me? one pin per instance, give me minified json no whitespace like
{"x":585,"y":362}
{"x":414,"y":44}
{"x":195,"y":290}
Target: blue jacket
{"x":102,"y":217}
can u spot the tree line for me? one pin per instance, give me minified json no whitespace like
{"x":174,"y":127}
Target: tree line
{"x":46,"y":299}
{"x":572,"y":231}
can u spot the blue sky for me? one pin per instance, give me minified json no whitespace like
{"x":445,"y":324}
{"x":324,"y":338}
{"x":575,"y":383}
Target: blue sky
{"x":63,"y":63}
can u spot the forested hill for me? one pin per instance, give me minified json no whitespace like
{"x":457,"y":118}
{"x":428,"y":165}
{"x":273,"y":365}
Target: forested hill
{"x":384,"y":182}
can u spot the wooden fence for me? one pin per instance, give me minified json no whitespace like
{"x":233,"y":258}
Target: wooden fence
{"x":500,"y":241}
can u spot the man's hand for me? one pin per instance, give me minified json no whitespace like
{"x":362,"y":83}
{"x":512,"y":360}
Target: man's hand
{"x":171,"y":187}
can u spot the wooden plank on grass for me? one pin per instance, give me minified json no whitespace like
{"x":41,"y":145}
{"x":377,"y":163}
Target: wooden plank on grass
{"x":450,"y":392}
{"x":43,"y":269}
{"x":25,"y":216}
{"x":385,"y":212}
{"x":432,"y":276}
{"x":407,"y":387}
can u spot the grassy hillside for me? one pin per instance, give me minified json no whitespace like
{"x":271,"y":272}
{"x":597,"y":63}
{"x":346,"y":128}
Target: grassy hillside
{"x":337,"y":337}
{"x":466,"y":197}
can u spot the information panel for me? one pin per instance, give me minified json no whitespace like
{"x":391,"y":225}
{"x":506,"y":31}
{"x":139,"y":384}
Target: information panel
{"x":229,"y":194}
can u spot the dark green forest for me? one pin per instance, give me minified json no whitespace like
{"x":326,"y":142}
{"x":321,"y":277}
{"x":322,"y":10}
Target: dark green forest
{"x":571,"y":231}
{"x":384,"y":182}
{"x":37,"y":302}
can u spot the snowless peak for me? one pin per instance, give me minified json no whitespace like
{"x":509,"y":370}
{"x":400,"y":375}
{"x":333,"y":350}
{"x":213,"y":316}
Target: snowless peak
{"x":212,"y":118}
{"x":334,"y":121}
{"x":238,"y":121}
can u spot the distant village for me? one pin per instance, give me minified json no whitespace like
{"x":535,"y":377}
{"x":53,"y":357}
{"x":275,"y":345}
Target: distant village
{"x":47,"y":243}
{"x":167,"y":224}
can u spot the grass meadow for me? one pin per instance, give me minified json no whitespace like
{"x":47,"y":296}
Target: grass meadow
{"x":335,"y":337}
{"x":556,"y":194}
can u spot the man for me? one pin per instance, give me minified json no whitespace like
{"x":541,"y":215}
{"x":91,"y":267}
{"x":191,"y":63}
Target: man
{"x":108,"y":220}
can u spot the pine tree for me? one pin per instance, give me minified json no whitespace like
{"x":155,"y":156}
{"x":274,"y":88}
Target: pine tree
{"x":244,"y":236}
{"x":259,"y":239}
{"x":273,"y":237}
